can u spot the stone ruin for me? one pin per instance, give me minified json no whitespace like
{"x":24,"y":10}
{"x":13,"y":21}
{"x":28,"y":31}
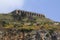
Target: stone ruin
{"x":20,"y":12}
{"x":14,"y":34}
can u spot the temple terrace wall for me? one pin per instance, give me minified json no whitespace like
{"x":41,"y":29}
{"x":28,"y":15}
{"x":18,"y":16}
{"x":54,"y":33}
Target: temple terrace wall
{"x":27,"y":13}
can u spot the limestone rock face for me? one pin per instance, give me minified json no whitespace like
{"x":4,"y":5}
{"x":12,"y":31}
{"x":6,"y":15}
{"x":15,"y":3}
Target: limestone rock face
{"x":32,"y":35}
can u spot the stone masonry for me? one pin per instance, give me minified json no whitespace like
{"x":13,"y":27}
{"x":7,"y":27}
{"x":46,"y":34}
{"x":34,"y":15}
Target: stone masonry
{"x":27,"y":13}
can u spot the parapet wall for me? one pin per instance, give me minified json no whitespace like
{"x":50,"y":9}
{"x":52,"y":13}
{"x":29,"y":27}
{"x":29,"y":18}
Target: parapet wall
{"x":27,"y":13}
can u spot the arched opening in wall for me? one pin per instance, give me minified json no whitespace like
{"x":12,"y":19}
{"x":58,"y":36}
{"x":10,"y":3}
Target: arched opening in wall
{"x":19,"y":12}
{"x":37,"y":14}
{"x":23,"y":14}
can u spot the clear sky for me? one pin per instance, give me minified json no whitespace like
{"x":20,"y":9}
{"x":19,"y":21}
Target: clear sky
{"x":50,"y":8}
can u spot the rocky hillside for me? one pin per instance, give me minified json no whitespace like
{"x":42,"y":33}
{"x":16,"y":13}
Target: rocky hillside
{"x":20,"y":20}
{"x":29,"y":23}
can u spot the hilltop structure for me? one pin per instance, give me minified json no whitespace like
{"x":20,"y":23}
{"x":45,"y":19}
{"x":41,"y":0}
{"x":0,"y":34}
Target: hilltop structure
{"x":20,"y":12}
{"x":24,"y":25}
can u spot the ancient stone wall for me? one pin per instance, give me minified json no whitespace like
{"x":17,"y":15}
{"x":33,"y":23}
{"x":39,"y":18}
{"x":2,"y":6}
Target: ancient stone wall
{"x":27,"y":13}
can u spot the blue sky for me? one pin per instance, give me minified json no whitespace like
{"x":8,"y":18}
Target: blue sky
{"x":50,"y":8}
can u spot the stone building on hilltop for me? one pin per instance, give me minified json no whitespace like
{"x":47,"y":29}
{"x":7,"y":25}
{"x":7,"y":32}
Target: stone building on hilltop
{"x":20,"y":12}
